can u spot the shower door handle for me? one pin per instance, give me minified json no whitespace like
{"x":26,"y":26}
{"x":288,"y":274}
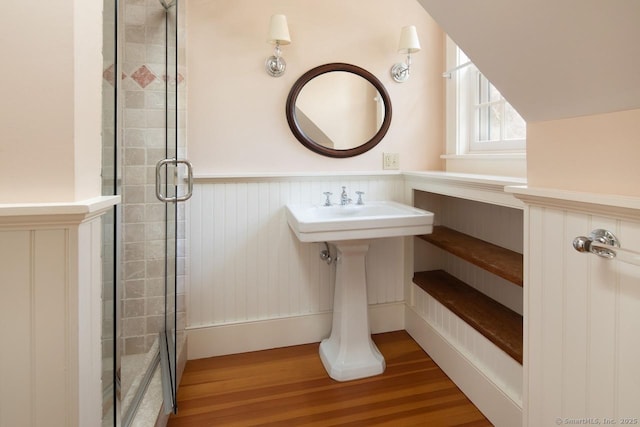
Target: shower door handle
{"x":176,"y":198}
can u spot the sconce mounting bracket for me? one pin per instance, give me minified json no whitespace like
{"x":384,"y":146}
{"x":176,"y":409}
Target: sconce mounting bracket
{"x":275,"y":66}
{"x":400,"y":72}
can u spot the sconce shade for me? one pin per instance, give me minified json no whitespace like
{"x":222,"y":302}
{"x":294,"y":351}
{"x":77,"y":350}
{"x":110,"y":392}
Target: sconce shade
{"x":409,"y":42}
{"x":279,"y":30}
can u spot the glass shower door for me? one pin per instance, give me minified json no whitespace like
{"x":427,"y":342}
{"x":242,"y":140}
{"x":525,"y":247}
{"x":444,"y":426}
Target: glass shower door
{"x":108,"y":172}
{"x":173,"y":186}
{"x":140,"y":148}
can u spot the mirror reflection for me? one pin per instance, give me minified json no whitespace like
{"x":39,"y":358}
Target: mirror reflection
{"x":338,"y":110}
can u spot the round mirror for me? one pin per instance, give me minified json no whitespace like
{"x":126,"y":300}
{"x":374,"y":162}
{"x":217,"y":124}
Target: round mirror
{"x":338,"y":110}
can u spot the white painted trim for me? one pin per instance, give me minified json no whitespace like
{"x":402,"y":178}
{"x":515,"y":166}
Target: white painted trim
{"x":486,"y":180}
{"x":242,"y":337}
{"x":460,"y":153}
{"x":48,"y":214}
{"x":484,"y":393}
{"x":590,"y":203}
{"x":481,"y":188}
{"x":312,"y":176}
{"x":451,"y":97}
{"x":495,"y":180}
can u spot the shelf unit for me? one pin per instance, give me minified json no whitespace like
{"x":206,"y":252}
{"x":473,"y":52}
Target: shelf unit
{"x":497,"y":323}
{"x":493,"y":258}
{"x":466,"y":296}
{"x":501,"y":325}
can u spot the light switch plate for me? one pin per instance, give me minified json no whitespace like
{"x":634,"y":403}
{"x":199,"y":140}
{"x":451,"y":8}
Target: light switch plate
{"x":391,"y":161}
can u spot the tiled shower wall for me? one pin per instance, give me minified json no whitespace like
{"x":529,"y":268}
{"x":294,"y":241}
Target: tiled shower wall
{"x":143,"y":118}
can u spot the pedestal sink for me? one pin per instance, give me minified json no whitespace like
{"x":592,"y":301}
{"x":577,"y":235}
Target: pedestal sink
{"x":349,"y":353}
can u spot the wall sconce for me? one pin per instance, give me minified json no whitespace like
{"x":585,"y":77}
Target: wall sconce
{"x":278,"y":35}
{"x":409,"y":44}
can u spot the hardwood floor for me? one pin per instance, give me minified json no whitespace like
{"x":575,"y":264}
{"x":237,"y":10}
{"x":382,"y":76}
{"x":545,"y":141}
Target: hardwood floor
{"x":289,"y":387}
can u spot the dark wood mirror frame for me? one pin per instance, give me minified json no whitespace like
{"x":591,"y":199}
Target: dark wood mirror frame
{"x":310,"y":143}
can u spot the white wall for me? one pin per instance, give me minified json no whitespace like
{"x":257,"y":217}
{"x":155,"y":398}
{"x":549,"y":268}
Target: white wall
{"x":551,"y":59}
{"x":50,"y":115}
{"x":596,"y":153}
{"x":50,"y":105}
{"x":237,"y":112}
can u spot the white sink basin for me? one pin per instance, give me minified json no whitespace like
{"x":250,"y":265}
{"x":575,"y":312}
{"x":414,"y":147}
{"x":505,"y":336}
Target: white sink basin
{"x":313,"y":223}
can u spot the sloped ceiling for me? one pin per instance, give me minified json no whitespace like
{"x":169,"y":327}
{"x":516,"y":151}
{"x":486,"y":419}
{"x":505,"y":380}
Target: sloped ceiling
{"x":551,"y":59}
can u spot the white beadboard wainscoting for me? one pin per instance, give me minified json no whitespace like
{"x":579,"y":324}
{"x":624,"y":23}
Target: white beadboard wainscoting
{"x":582,"y":312}
{"x":253,"y":285}
{"x":50,"y":313}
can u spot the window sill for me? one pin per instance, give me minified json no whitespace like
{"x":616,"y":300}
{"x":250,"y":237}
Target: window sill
{"x":504,"y":164}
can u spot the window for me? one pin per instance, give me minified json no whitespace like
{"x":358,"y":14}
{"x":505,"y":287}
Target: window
{"x":483,"y":121}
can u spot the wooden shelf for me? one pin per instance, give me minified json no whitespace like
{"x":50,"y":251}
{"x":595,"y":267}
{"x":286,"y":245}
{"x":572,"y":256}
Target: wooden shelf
{"x":497,"y":323}
{"x":495,"y":259}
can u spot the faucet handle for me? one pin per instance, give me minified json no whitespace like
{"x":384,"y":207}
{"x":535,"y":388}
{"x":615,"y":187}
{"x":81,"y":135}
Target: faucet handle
{"x":360,"y":193}
{"x":328,"y":194}
{"x":344,"y":197}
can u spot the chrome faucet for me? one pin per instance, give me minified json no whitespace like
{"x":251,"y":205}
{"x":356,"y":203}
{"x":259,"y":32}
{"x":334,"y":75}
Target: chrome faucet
{"x":344,"y":197}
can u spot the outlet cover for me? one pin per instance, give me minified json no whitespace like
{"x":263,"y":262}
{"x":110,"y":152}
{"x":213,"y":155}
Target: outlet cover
{"x":391,"y":161}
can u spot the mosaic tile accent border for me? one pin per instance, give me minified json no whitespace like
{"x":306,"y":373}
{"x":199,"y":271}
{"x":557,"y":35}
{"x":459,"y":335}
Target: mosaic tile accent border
{"x":143,"y":76}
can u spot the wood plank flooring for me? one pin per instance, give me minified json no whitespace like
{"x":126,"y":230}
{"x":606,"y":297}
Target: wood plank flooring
{"x":289,"y":387}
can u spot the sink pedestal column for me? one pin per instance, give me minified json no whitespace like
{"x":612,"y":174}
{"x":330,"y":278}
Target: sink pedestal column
{"x":349,"y":353}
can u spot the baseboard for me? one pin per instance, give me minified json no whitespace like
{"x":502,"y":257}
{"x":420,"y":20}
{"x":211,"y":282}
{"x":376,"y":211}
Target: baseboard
{"x":218,"y":340}
{"x":499,"y":408}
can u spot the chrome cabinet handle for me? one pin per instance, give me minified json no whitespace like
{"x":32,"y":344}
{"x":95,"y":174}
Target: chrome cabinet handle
{"x":174,"y":199}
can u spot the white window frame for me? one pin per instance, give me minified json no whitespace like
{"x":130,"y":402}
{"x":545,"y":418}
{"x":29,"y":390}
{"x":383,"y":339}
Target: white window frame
{"x":461,"y":90}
